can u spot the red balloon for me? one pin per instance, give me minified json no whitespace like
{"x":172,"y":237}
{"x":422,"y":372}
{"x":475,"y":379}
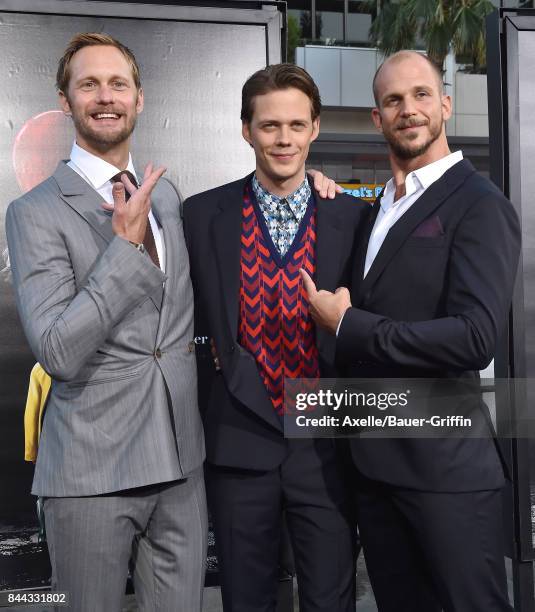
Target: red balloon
{"x":40,"y":144}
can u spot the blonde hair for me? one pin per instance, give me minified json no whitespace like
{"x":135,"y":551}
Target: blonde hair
{"x":91,"y":39}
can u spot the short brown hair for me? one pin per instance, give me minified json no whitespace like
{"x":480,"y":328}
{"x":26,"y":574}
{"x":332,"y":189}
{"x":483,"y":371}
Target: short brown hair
{"x":277,"y":77}
{"x":406,"y":54}
{"x":92,"y":39}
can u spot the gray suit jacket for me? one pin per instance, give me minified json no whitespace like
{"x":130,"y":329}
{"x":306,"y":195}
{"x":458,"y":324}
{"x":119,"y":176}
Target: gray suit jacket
{"x":122,"y":411}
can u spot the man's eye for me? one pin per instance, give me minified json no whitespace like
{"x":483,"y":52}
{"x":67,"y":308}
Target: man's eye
{"x":119,"y":84}
{"x":299,"y":126}
{"x":88,"y":84}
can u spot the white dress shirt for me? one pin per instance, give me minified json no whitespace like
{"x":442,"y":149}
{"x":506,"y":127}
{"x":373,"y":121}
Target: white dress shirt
{"x":98,"y":172}
{"x":416,"y":182}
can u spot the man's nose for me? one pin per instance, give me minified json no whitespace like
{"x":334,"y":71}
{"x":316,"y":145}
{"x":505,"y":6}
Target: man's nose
{"x":283,"y":135}
{"x":408,"y":107}
{"x":104,"y":94}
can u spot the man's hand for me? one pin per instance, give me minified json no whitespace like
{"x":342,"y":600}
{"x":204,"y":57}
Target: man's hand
{"x":325,"y":186}
{"x":129,"y":220}
{"x":215,"y":357}
{"x":326,"y":308}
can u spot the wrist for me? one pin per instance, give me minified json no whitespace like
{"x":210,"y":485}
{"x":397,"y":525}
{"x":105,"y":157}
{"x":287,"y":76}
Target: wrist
{"x":139,"y":246}
{"x":134,"y":237}
{"x":339,"y":322}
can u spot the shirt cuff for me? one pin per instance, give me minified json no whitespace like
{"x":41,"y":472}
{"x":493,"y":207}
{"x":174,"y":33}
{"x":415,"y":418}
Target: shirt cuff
{"x":340,"y":323}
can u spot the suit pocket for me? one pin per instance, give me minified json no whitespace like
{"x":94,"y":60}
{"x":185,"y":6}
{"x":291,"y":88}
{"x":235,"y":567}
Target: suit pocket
{"x":97,"y":381}
{"x":435,"y":242}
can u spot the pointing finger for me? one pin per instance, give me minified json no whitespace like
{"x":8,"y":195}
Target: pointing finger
{"x":308,"y":283}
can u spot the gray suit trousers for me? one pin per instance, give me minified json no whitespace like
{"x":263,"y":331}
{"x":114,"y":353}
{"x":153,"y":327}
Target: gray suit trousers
{"x":160,"y":528}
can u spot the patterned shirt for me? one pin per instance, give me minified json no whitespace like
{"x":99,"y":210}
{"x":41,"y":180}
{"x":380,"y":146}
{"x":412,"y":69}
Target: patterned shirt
{"x":282,"y":215}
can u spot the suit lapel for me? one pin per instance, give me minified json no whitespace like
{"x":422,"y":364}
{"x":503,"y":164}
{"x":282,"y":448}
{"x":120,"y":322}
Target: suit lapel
{"x":328,"y":245}
{"x":424,"y":206}
{"x":328,"y":253}
{"x":81,"y":197}
{"x":170,"y":242}
{"x":226,"y":233}
{"x":362,"y":249}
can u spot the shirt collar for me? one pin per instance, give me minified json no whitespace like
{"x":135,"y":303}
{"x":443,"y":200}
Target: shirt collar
{"x":422,"y":178}
{"x":296,"y":200}
{"x":97,"y":171}
{"x":432,"y":172}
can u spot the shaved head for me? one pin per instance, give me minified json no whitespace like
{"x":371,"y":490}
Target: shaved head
{"x":397,"y":58}
{"x":411,"y":108}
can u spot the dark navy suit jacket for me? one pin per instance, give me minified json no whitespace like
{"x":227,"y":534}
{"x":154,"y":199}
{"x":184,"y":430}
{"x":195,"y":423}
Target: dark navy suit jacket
{"x":241,"y":426}
{"x":432,"y":306}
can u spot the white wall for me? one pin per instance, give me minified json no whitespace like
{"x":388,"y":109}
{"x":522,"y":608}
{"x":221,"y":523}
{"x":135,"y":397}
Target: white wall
{"x":344,"y":77}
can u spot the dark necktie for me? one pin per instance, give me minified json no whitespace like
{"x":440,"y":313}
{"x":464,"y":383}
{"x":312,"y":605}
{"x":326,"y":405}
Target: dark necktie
{"x":148,"y":241}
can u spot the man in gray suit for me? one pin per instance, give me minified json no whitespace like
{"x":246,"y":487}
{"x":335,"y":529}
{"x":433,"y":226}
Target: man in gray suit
{"x":105,"y":300}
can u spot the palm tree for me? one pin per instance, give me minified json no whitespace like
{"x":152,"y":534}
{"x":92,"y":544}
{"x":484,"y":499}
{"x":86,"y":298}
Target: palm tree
{"x":440,"y":24}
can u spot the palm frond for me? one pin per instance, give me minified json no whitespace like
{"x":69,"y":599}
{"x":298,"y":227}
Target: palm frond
{"x":393,"y":29}
{"x":426,"y":10}
{"x":440,"y":23}
{"x":437,"y":38}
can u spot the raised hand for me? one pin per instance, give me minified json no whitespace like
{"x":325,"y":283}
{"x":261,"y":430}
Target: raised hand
{"x":326,"y":308}
{"x":129,"y":219}
{"x":325,"y":186}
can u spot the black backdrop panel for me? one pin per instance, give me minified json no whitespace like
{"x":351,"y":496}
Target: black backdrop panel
{"x":520,"y":138}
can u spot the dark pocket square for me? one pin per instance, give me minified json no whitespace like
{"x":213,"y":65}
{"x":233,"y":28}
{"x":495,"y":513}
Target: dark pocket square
{"x":430,"y":228}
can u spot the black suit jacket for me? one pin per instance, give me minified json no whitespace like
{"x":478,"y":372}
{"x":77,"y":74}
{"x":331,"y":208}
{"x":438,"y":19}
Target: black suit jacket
{"x":432,"y":305}
{"x":241,"y":427}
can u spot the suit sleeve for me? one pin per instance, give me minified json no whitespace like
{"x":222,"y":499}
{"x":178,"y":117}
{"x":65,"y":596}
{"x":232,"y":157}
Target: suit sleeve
{"x":479,"y":285}
{"x":206,"y":371}
{"x":179,"y":197}
{"x":64,"y":324}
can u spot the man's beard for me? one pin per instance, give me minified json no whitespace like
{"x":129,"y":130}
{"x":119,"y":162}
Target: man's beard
{"x":405,"y":151}
{"x":103,"y":141}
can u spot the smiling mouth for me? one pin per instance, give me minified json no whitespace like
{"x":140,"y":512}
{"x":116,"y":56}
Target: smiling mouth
{"x":283,"y":155}
{"x":401,"y":128}
{"x":103,"y":116}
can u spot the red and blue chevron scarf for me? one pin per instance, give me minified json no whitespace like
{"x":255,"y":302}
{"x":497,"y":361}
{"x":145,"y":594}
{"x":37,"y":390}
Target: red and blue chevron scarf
{"x":274,"y":321}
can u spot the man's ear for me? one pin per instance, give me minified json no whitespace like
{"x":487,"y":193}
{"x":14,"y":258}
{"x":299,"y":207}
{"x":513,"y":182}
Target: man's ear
{"x":64,"y":104}
{"x":447,"y":107}
{"x":315,"y":128}
{"x":376,"y":118}
{"x":246,"y":132}
{"x":140,"y":103}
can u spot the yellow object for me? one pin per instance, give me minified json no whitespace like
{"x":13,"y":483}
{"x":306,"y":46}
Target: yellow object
{"x":38,"y":390}
{"x":365,"y":191}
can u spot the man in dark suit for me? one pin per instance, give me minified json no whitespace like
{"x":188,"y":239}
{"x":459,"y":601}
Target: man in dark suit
{"x":247,"y":241}
{"x":431,"y":291}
